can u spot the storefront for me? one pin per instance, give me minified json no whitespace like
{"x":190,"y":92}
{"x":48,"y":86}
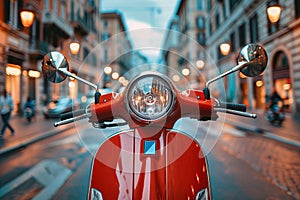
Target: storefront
{"x":13,"y":71}
{"x":281,"y":78}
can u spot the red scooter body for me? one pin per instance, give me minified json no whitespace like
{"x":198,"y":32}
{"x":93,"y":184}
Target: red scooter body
{"x":128,"y":173}
{"x":175,"y":167}
{"x":151,"y":160}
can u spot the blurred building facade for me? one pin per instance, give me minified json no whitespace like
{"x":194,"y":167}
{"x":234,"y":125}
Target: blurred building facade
{"x":56,"y":24}
{"x":116,"y":48}
{"x":186,"y":51}
{"x":239,"y":22}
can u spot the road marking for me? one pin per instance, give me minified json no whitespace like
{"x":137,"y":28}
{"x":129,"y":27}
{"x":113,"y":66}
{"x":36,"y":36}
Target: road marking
{"x":50,"y":174}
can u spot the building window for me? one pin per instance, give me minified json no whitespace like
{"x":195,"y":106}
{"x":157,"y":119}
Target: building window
{"x":105,"y":55}
{"x":201,"y":38}
{"x":272,"y":28}
{"x":217,"y":18}
{"x":224,"y":11}
{"x":85,"y":52}
{"x":297,"y":8}
{"x":12,"y":9}
{"x":210,"y":28}
{"x":233,"y":4}
{"x":72,"y":11}
{"x":242,"y":35}
{"x":232,"y":41}
{"x":254,"y":29}
{"x":208,"y":5}
{"x":46,"y":4}
{"x":200,"y":4}
{"x":54,"y":3}
{"x":63,"y":11}
{"x":106,"y":24}
{"x":105,"y":36}
{"x":200,"y":22}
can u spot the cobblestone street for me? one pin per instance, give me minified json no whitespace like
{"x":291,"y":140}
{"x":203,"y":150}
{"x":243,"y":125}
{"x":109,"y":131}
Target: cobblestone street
{"x":280,"y":163}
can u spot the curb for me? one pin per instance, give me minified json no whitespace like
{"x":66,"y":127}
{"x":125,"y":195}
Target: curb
{"x":33,"y":139}
{"x":264,"y":133}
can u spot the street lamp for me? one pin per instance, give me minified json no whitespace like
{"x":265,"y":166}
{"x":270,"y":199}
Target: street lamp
{"x":185,"y":71}
{"x":200,"y":64}
{"x":273,"y":11}
{"x":225,"y":48}
{"x":27,"y":17}
{"x":115,"y":75}
{"x":107,"y":70}
{"x":74,"y":47}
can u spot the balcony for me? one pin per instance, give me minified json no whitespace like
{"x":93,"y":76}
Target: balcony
{"x":57,"y":24}
{"x":79,"y":24}
{"x":39,"y":48}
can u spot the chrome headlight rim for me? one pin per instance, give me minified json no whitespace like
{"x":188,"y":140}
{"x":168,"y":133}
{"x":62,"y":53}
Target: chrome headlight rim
{"x":169,"y":85}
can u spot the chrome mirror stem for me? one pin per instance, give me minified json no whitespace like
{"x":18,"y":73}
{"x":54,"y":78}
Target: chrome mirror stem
{"x":236,"y":68}
{"x":78,"y":78}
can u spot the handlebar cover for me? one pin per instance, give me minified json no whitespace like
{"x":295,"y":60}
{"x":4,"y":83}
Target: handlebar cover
{"x":71,"y":114}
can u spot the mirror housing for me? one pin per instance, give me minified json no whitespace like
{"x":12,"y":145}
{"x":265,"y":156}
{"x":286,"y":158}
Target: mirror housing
{"x":256,"y":58}
{"x":252,"y":61}
{"x":53,"y":65}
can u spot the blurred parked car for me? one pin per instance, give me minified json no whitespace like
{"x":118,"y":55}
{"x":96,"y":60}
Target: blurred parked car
{"x":56,"y":108}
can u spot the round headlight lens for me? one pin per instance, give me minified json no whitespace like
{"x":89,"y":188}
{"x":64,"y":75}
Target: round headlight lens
{"x":150,"y":97}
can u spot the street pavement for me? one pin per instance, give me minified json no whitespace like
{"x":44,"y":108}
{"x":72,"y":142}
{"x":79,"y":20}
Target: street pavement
{"x":27,"y":133}
{"x":271,"y":150}
{"x":288,"y":132}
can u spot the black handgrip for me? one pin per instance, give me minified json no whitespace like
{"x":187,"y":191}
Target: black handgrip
{"x":234,"y":106}
{"x":71,"y":114}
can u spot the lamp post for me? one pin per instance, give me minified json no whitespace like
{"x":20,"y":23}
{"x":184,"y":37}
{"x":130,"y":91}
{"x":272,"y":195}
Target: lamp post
{"x":74,"y":47}
{"x":273,"y":11}
{"x":225,"y":48}
{"x":27,"y":17}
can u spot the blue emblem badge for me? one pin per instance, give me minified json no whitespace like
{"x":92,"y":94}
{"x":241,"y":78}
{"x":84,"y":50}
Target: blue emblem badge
{"x":149,"y":147}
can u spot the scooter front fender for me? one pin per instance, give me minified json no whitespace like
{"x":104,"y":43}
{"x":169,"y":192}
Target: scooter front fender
{"x":142,"y":164}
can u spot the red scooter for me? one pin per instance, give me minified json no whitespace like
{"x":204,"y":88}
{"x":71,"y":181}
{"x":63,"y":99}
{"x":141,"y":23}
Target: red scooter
{"x":152,"y":160}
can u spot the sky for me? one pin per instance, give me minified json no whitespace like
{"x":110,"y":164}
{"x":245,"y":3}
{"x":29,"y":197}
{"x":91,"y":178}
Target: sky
{"x":139,"y":14}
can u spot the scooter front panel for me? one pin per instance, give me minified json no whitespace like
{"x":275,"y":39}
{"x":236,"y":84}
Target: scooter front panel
{"x":186,"y":174}
{"x":149,"y":164}
{"x":113,"y":166}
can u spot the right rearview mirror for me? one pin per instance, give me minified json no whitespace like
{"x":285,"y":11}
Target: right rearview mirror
{"x":256,"y":59}
{"x":53,"y":65}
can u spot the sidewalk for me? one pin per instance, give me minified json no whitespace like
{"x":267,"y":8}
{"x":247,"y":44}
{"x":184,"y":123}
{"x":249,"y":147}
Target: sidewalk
{"x":289,"y":132}
{"x":27,"y":133}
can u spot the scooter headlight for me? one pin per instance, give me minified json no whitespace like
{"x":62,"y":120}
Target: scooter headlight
{"x":150,"y":96}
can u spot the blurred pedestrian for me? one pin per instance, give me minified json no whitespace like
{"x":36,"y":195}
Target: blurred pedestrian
{"x":6,"y":107}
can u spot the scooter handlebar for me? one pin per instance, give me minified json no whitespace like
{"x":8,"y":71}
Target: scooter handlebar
{"x":234,"y":106}
{"x":72,"y":114}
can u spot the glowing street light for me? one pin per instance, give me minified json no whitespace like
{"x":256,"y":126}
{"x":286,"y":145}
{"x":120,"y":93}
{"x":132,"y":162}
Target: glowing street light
{"x":27,"y":17}
{"x":273,"y":11}
{"x":74,"y":47}
{"x":115,"y":75}
{"x":185,"y":71}
{"x":225,"y":48}
{"x":200,"y":64}
{"x":107,"y":70}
